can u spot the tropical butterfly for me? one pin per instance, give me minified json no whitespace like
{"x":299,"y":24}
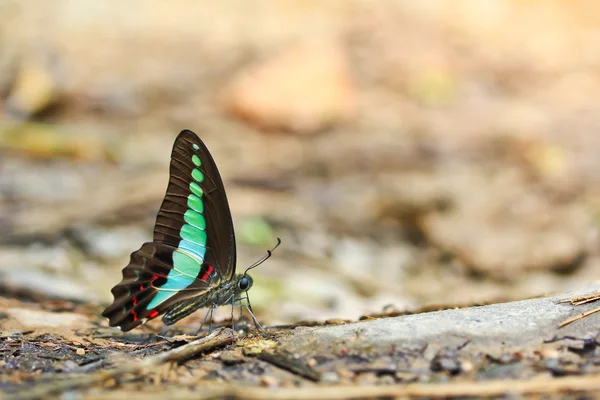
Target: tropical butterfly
{"x":190,"y":264}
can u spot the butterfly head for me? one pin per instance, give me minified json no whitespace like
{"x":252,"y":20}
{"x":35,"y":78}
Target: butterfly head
{"x":245,"y":283}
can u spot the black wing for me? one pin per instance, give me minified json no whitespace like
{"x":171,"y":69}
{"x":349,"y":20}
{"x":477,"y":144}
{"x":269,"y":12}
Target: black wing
{"x":194,"y":242}
{"x":220,"y":249}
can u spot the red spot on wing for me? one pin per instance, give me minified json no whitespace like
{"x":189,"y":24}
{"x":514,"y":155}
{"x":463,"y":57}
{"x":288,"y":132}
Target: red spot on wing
{"x":133,"y":313}
{"x":152,"y":314}
{"x":154,"y":277}
{"x":208,"y":271}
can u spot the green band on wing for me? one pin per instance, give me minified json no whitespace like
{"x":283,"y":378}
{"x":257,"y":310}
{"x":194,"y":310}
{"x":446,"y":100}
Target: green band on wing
{"x":196,"y":189}
{"x":195,"y":219}
{"x":193,"y":234}
{"x":195,"y":203}
{"x":184,"y":273}
{"x":188,"y":258}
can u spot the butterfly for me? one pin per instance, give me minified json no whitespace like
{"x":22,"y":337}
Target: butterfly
{"x":191,"y":262}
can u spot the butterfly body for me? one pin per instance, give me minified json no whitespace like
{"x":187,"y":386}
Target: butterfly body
{"x":229,"y":292}
{"x":191,"y":262}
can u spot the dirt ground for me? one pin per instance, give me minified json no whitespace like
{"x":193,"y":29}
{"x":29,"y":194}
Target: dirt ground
{"x":411,"y":155}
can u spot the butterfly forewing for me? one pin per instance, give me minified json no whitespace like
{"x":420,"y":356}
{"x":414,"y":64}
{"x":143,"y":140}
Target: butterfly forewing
{"x":205,"y":184}
{"x":194,"y":244}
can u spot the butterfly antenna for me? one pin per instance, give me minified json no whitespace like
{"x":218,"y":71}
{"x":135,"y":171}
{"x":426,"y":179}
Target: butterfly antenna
{"x":265,"y":258}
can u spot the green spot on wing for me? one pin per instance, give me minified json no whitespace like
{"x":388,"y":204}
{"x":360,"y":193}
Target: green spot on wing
{"x":195,"y":219}
{"x":196,"y":189}
{"x":195,"y":146}
{"x":193,"y":234}
{"x":196,"y":160}
{"x":195,"y":203}
{"x":197,"y":175}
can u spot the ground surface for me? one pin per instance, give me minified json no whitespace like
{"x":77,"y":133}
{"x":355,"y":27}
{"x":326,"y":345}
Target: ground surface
{"x":508,"y":349}
{"x":412,"y":156}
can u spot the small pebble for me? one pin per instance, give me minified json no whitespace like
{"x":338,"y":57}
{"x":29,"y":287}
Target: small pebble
{"x":345,"y":373}
{"x":232,"y":357}
{"x":330,"y":377}
{"x":269,"y":381}
{"x":466,"y":366}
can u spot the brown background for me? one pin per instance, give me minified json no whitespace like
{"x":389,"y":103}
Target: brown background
{"x":407,"y":153}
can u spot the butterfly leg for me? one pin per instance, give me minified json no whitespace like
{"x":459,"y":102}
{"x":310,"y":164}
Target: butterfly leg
{"x":249,"y":308}
{"x":212,"y":308}
{"x":232,"y":308}
{"x":234,"y":303}
{"x":256,"y":323}
{"x":209,"y":312}
{"x":238,"y":302}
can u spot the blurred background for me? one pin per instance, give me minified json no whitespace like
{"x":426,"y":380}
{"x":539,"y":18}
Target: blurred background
{"x":408,"y":153}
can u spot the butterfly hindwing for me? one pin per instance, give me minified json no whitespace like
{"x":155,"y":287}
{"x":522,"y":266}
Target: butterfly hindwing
{"x":194,"y":244}
{"x":152,"y":283}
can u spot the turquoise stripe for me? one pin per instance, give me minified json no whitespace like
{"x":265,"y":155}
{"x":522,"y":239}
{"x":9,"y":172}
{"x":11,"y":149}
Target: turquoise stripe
{"x":195,"y":219}
{"x":180,"y":277}
{"x":188,"y":258}
{"x":188,"y":266}
{"x":193,"y":248}
{"x":193,"y":234}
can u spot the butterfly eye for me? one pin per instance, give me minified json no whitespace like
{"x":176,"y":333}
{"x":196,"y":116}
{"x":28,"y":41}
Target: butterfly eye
{"x":245,"y":283}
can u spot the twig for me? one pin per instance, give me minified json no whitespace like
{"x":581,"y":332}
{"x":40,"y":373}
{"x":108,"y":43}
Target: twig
{"x":572,"y":384}
{"x":577,"y":301}
{"x":579,"y":316}
{"x":218,"y":338}
{"x":287,"y":361}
